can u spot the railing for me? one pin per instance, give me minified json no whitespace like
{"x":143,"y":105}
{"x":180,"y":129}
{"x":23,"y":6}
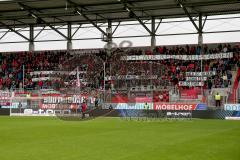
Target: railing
{"x":51,"y":98}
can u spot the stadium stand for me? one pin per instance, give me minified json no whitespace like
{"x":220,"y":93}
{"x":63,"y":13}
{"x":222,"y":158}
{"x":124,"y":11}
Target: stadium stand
{"x":170,"y":72}
{"x":58,"y":70}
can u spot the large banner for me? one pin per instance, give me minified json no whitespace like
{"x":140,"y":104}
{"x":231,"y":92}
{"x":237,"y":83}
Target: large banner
{"x":157,"y":106}
{"x":177,"y":57}
{"x":45,"y":79}
{"x":53,"y":101}
{"x":130,"y":77}
{"x":47,"y":99}
{"x":56,"y":73}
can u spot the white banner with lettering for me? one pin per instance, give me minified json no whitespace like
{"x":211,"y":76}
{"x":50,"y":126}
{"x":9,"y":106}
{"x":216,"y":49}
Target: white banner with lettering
{"x":56,"y":72}
{"x":196,"y":79}
{"x":177,"y":57}
{"x":200,"y":74}
{"x":45,"y":79}
{"x":131,"y":77}
{"x":190,"y":84}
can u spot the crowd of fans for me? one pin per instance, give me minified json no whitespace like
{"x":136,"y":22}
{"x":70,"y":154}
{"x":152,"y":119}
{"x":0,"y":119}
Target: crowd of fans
{"x":16,"y":68}
{"x":171,"y":71}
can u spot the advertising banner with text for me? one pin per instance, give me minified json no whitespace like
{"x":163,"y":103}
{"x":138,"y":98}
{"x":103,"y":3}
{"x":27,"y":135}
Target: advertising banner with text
{"x":232,"y":107}
{"x":157,"y":106}
{"x":179,"y":107}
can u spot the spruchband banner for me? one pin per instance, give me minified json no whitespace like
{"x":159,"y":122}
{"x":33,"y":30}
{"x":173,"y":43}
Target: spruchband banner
{"x":177,"y":57}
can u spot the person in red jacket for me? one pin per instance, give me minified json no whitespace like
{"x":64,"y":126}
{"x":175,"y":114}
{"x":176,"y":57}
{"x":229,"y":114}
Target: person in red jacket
{"x":84,"y":107}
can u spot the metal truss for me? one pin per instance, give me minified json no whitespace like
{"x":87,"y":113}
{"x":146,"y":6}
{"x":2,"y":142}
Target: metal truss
{"x":114,"y":37}
{"x":79,"y":11}
{"x":13,"y":30}
{"x":35,"y":16}
{"x":83,"y":11}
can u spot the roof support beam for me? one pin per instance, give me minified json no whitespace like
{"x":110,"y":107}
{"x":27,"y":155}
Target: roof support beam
{"x":40,"y":32}
{"x":117,"y":37}
{"x":125,"y":2}
{"x":116,"y":28}
{"x":188,"y":14}
{"x":94,"y":24}
{"x":11,"y":29}
{"x":4,"y":34}
{"x":158,"y":25}
{"x":204,"y":22}
{"x":53,"y":28}
{"x":138,"y":19}
{"x":80,"y":25}
{"x":40,"y":19}
{"x":86,"y":17}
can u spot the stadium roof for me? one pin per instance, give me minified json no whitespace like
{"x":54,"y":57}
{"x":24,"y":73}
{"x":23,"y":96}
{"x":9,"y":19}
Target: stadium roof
{"x":45,"y":12}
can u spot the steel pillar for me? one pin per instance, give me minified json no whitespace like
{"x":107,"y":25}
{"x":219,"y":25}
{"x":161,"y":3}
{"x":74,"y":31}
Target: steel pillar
{"x":200,"y":26}
{"x":69,"y":37}
{"x":109,"y":33}
{"x":153,"y":36}
{"x":31,"y":38}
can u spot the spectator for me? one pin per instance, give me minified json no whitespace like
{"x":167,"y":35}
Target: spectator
{"x":217,"y":100}
{"x":84,"y":107}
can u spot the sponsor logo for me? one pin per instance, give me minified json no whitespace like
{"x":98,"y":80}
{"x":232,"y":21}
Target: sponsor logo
{"x":201,"y":106}
{"x":140,"y":106}
{"x":179,"y":114}
{"x":183,"y":107}
{"x":45,"y":112}
{"x":28,"y":111}
{"x":232,"y":107}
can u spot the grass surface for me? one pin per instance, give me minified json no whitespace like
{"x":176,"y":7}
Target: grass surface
{"x":44,"y":138}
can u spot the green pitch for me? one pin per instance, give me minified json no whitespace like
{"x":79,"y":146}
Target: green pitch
{"x":38,"y":138}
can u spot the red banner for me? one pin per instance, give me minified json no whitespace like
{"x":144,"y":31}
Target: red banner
{"x":141,"y":97}
{"x":189,"y":94}
{"x":160,"y":96}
